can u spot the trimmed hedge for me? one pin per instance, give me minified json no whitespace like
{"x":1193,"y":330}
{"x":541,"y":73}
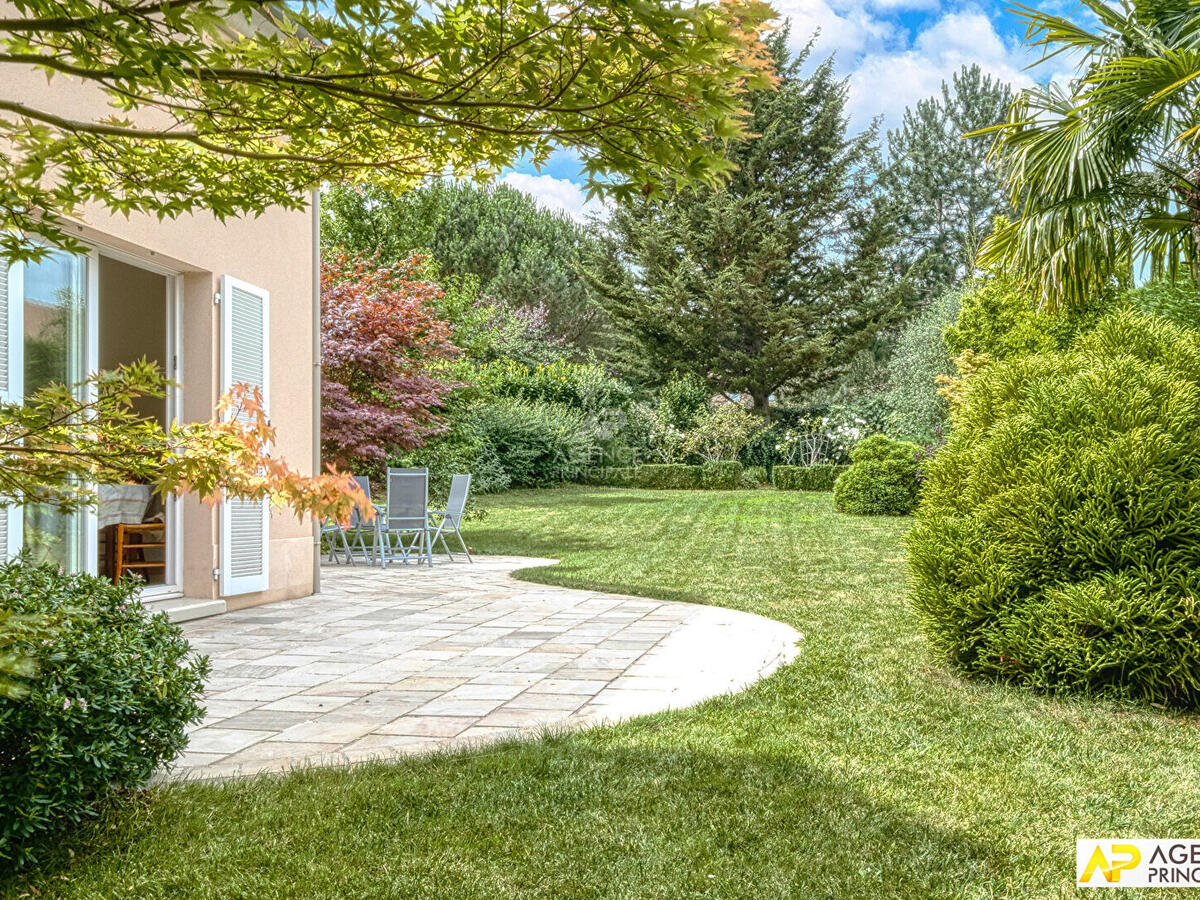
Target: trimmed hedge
{"x":819,"y":477}
{"x":1058,"y":538}
{"x":721,"y":476}
{"x":882,"y":479}
{"x":113,"y":690}
{"x":610,"y":476}
{"x":669,"y":476}
{"x":717,"y":476}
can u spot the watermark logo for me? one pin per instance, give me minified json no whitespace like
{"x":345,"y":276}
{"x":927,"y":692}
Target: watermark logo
{"x":1119,"y":863}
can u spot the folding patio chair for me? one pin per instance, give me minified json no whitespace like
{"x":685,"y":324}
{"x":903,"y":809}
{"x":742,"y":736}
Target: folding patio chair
{"x":407,"y":517}
{"x":339,"y":535}
{"x":451,"y":516}
{"x":335,"y":534}
{"x":360,"y":527}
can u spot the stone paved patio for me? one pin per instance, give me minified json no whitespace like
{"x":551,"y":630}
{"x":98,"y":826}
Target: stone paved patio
{"x":384,"y":663}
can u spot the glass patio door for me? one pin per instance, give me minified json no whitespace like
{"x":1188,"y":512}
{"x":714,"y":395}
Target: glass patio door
{"x":50,"y":300}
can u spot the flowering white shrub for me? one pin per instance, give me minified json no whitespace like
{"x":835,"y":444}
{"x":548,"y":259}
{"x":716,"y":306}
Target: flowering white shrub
{"x":817,"y":440}
{"x":668,"y":442}
{"x":722,"y":432}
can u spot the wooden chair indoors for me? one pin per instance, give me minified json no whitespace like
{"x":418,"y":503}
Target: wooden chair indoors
{"x":133,"y":535}
{"x":127,"y":549}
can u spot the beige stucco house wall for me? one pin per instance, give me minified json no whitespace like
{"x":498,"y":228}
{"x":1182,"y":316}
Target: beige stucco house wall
{"x":275,"y":252}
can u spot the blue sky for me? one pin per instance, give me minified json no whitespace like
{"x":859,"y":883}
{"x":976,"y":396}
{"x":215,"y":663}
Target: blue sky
{"x":894,"y":52}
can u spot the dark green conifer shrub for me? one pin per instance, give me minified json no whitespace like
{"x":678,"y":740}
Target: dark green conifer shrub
{"x":1058,"y":541}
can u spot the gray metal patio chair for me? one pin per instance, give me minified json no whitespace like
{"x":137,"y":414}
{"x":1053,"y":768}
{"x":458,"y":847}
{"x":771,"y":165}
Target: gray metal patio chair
{"x":407,"y":517}
{"x":346,"y":539}
{"x":452,"y":515}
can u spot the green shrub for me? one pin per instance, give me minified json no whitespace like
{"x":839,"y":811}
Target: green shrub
{"x":756,"y":476}
{"x":459,"y":452}
{"x":534,"y":443}
{"x":681,"y":401}
{"x":725,"y":475}
{"x":1178,"y":301}
{"x":582,"y":386}
{"x":721,"y":433}
{"x":882,"y":479}
{"x":1000,"y":318}
{"x":668,"y":476}
{"x":915,"y":409}
{"x":113,"y":691}
{"x":819,"y":477}
{"x":1058,"y":537}
{"x":760,"y":450}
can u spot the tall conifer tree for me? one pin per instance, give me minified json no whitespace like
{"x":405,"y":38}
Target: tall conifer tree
{"x":774,"y":279}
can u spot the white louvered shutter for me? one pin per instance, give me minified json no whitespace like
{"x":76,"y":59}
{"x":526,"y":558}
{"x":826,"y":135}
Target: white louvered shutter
{"x":244,"y":360}
{"x":11,"y":382}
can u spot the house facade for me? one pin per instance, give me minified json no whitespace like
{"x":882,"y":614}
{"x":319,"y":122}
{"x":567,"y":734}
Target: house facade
{"x":215,"y":304}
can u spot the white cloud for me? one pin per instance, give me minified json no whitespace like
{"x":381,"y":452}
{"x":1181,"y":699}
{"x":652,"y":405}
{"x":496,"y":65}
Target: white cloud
{"x":890,"y":68}
{"x":847,"y":29}
{"x":883,"y":84}
{"x":556,"y":194}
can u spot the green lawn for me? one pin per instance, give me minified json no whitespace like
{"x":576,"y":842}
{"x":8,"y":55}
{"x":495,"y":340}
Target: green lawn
{"x":864,"y":769}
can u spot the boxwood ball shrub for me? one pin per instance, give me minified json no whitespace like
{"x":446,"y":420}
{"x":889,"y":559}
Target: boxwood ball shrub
{"x":881,"y":479}
{"x":817,"y":477}
{"x":1058,"y":538}
{"x":112,"y":691}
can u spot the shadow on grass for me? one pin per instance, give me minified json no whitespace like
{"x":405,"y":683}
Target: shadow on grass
{"x":567,"y":816}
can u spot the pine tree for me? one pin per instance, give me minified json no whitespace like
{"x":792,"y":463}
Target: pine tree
{"x":945,"y":190}
{"x":774,"y":279}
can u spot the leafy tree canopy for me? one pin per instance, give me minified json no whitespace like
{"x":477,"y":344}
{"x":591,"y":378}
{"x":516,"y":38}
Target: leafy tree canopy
{"x":238,"y":105}
{"x":774,"y":279}
{"x":524,"y":257}
{"x":58,"y":443}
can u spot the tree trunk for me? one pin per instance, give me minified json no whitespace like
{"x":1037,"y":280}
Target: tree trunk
{"x":762,"y":405}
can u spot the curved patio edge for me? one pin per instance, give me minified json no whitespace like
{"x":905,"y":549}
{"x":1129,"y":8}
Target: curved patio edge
{"x":388,"y":663}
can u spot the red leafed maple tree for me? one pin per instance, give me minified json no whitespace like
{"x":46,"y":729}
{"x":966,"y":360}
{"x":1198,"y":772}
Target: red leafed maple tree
{"x":381,"y":338}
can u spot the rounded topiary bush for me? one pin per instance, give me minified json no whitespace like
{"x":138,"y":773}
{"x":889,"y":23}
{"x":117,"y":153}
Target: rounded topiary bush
{"x":111,"y":692}
{"x":1058,"y":541}
{"x":881,"y":480}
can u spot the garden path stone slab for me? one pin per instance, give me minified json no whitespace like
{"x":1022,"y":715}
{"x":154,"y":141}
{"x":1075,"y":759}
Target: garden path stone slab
{"x":386,"y":663}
